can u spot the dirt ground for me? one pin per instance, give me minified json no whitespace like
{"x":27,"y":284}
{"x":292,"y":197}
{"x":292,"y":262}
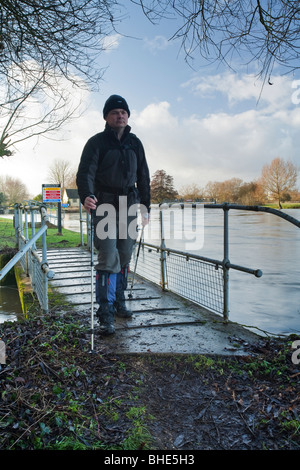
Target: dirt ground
{"x":218,"y":410}
{"x":55,"y":394}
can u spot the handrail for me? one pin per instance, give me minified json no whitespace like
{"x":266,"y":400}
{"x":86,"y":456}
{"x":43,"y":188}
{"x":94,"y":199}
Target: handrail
{"x":11,"y":263}
{"x":225,"y":264}
{"x":34,"y":266}
{"x":270,"y":210}
{"x":229,"y":205}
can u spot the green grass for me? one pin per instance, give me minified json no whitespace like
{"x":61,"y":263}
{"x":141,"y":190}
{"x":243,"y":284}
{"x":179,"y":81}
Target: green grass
{"x":7,"y":233}
{"x":67,"y":239}
{"x":285,"y":205}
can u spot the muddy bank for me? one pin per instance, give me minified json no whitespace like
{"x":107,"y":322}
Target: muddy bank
{"x":55,"y":394}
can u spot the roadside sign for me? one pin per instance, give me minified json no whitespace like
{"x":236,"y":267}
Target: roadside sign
{"x":51,"y":193}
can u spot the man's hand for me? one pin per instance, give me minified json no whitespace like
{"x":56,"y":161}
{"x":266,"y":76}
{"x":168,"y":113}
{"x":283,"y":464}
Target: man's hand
{"x":90,"y":203}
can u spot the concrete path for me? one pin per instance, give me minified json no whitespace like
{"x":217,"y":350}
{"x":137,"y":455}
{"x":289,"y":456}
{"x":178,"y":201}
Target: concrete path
{"x":162,"y":322}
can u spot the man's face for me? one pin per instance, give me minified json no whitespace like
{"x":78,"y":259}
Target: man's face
{"x":117,"y":118}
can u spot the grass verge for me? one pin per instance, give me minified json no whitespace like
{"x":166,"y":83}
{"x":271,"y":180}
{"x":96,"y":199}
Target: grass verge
{"x":67,"y":239}
{"x":285,"y":205}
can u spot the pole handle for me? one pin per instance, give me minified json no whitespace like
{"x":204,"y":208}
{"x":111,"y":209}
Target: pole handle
{"x":93,"y":211}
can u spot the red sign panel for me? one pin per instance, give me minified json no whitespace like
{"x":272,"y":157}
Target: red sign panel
{"x":51,"y":193}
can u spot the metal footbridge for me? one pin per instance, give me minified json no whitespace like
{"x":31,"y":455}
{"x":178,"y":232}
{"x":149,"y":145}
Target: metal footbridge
{"x":162,"y":322}
{"x":168,"y":315}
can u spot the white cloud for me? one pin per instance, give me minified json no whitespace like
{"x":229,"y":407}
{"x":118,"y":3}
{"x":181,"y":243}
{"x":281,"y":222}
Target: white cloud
{"x":158,"y":43}
{"x":111,"y":42}
{"x":195,"y":149}
{"x":33,"y":158}
{"x":222,"y":145}
{"x":241,"y":88}
{"x":156,"y":115}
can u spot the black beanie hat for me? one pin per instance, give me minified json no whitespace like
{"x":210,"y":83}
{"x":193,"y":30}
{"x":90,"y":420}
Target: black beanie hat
{"x":115,"y":102}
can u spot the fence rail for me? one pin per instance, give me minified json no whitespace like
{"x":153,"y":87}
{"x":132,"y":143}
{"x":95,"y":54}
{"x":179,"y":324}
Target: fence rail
{"x":208,"y":279}
{"x":205,"y":278}
{"x":33,"y":265}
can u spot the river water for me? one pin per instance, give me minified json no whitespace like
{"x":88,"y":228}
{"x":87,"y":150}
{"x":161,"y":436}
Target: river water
{"x":256,"y":240}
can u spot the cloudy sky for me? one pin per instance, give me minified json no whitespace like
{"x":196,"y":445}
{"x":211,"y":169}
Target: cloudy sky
{"x":200,"y":124}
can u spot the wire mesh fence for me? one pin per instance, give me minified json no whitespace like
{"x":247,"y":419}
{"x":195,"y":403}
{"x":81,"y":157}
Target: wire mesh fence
{"x":196,"y":280}
{"x":148,"y":265}
{"x":34,"y":266}
{"x":184,"y":274}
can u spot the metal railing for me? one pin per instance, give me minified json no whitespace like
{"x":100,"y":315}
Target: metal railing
{"x":34,"y":265}
{"x":208,"y":279}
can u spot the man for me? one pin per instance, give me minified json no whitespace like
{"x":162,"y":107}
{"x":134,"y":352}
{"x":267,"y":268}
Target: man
{"x":113,"y":169}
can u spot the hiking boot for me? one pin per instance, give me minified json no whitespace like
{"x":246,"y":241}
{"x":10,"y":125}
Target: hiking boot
{"x":105,"y":316}
{"x":120,"y":304}
{"x":105,"y":297}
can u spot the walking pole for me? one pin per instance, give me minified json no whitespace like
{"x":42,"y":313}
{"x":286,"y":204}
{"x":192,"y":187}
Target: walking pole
{"x":92,"y":277}
{"x":136,"y":260}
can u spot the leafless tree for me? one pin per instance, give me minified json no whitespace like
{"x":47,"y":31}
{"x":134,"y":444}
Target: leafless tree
{"x":60,"y":172}
{"x":34,"y":106}
{"x":251,"y":193}
{"x":43,"y":44}
{"x":224,"y":191}
{"x":264,"y":31}
{"x":235,"y":190}
{"x":13,"y":189}
{"x":279,"y":178}
{"x":191,"y":191}
{"x":65,"y":36}
{"x":71,"y":181}
{"x":212,"y":191}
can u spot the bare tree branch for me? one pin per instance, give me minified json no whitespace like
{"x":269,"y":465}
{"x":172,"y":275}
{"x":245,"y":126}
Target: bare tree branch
{"x":263,"y":31}
{"x":43,"y":46}
{"x":33,"y":107}
{"x":60,"y":172}
{"x":61,"y":35}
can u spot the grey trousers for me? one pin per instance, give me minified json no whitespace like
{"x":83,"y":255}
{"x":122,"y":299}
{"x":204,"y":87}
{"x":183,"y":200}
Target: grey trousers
{"x":114,"y":238}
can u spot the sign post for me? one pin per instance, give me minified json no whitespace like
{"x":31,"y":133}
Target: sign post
{"x":52,"y":193}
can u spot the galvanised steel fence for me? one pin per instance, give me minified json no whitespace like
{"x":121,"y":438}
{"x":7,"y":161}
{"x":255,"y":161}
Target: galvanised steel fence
{"x":208,"y":279}
{"x":208,"y":284}
{"x":34,"y":265}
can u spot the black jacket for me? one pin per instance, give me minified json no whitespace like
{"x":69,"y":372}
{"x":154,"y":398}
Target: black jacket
{"x":114,"y":167}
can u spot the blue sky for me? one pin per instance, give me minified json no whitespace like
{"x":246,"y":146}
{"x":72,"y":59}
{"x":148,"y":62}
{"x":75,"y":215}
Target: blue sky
{"x":199,"y":124}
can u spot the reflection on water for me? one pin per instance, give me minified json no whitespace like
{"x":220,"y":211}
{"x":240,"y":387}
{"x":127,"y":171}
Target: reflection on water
{"x":10,"y":304}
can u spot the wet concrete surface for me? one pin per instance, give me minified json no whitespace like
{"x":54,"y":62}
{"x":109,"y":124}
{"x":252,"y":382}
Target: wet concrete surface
{"x":162,"y":322}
